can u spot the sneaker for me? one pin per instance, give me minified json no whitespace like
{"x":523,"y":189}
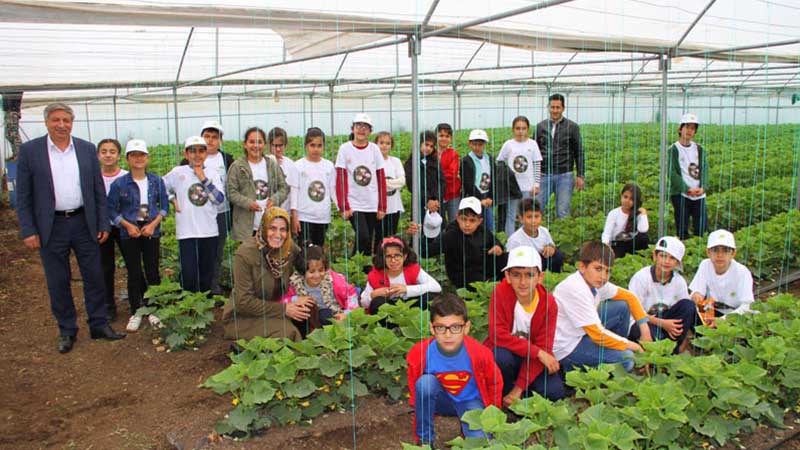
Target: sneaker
{"x":133,"y":324}
{"x":154,"y":321}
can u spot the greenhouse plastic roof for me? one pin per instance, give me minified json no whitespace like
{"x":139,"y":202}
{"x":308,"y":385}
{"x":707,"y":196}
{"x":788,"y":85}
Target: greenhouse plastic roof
{"x":141,"y":50}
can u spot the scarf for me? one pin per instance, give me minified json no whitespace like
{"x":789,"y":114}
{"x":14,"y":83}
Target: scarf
{"x":277,"y":258}
{"x":298,"y":282}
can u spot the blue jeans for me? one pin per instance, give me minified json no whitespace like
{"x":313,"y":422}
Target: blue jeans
{"x":450,"y":210}
{"x":430,"y":399}
{"x":550,"y":386}
{"x":615,"y":316}
{"x":511,"y":213}
{"x":560,"y":184}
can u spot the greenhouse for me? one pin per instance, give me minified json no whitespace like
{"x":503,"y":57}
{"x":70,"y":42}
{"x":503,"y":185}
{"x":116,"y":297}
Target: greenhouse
{"x":630,"y":72}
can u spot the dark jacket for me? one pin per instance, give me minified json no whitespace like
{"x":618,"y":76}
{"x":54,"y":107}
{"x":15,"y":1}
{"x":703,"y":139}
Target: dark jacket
{"x":124,"y":201}
{"x":35,"y":196}
{"x":468,"y":171}
{"x":505,"y":185}
{"x":563,"y":151}
{"x":432,"y":184}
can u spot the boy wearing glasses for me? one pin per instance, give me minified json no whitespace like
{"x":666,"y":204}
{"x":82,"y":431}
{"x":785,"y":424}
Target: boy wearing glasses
{"x":522,"y":325}
{"x":450,"y":373}
{"x":722,"y":278}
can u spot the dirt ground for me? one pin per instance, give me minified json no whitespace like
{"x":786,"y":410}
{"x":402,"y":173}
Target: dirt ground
{"x":125,"y":395}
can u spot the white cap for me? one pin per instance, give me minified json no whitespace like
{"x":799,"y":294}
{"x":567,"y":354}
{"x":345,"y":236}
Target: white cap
{"x":470,"y":203}
{"x":135,"y":145}
{"x":721,"y":237}
{"x":673,"y":247}
{"x":212,"y":124}
{"x":689,"y":118}
{"x":524,"y":256}
{"x":194,"y":140}
{"x":478,"y":135}
{"x":362,"y":118}
{"x":432,"y":226}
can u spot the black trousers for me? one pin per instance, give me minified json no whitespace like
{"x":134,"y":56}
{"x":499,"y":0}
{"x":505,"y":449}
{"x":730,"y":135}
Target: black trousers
{"x":138,"y":253}
{"x":108,"y":260}
{"x":314,"y":232}
{"x":685,"y":209}
{"x":684,"y":310}
{"x":386,"y":227}
{"x":364,"y":225}
{"x":622,"y":248}
{"x":197,"y":263}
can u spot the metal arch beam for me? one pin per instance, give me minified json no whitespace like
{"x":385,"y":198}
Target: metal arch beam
{"x":428,"y":16}
{"x":639,"y":72}
{"x":691,"y":27}
{"x":705,"y":69}
{"x":339,"y":70}
{"x":753,"y":72}
{"x":740,"y":48}
{"x":466,"y":66}
{"x":183,"y":56}
{"x":564,"y":67}
{"x":787,"y":84}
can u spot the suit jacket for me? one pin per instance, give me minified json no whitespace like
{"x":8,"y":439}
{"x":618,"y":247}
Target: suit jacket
{"x":35,"y":196}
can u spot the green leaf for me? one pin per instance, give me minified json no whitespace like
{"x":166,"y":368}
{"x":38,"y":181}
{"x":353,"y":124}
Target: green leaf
{"x":300,"y":389}
{"x":353,"y":387}
{"x":259,"y":392}
{"x":330,"y":367}
{"x":175,"y":340}
{"x":360,"y":355}
{"x":241,"y":417}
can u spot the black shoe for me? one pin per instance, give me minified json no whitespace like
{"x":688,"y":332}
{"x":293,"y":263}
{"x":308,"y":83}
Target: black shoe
{"x":65,"y":343}
{"x":112,"y":314}
{"x":105,"y":332}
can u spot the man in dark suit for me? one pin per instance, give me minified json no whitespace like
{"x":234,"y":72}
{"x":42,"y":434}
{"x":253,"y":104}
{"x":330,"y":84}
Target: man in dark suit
{"x":61,"y":205}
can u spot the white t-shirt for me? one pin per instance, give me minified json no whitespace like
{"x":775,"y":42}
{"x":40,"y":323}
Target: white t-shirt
{"x":316,"y":191}
{"x":733,"y":288}
{"x":217,"y":162}
{"x":144,"y":211}
{"x":616,"y":221}
{"x":520,"y":238}
{"x":394,"y":171}
{"x":362,"y":167}
{"x":261,"y":184}
{"x":198,"y":213}
{"x":689,"y":161}
{"x":483,"y":173}
{"x":651,"y":291}
{"x":425,"y":284}
{"x":290,"y":173}
{"x":522,"y":321}
{"x":521,"y":157}
{"x":108,"y":180}
{"x":577,"y":308}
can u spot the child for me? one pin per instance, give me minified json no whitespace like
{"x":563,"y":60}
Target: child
{"x":316,"y":181}
{"x":449,"y":162}
{"x":137,"y":204}
{"x":314,"y":284}
{"x":197,"y":197}
{"x":688,"y":169}
{"x":723,"y":279}
{"x":524,"y":158}
{"x":522,"y":324}
{"x":362,"y":200}
{"x":450,"y":373}
{"x":396,"y":274}
{"x":395,"y":180}
{"x":108,"y":152}
{"x":588,"y":332}
{"x":431,"y":179}
{"x":477,"y":171}
{"x":664,"y":295}
{"x":278,"y":140}
{"x":532,"y":234}
{"x":626,"y":227}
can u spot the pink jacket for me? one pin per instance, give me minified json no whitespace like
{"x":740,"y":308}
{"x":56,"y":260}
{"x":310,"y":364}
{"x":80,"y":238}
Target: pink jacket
{"x":345,"y":294}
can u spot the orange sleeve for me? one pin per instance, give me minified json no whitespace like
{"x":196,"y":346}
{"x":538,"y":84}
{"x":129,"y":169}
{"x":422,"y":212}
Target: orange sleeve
{"x":605,"y":338}
{"x":633,"y":303}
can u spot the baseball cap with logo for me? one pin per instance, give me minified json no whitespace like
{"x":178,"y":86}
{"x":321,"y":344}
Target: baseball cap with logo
{"x":673,"y":247}
{"x":470,"y":203}
{"x":432,"y":226}
{"x":478,"y":135}
{"x":194,"y":140}
{"x":721,"y":237}
{"x":689,"y":118}
{"x":212,"y":125}
{"x":362,"y":118}
{"x":524,"y":256}
{"x":135,"y":145}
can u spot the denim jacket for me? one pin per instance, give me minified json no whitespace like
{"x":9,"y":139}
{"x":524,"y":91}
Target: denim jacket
{"x":123,"y":201}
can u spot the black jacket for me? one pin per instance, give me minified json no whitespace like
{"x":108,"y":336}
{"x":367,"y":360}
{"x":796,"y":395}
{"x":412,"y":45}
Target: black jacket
{"x":505,"y":184}
{"x":431,"y":183}
{"x":468,"y":171}
{"x":563,"y":151}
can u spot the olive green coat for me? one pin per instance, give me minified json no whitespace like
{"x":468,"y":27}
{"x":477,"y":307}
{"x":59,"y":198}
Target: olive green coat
{"x":241,"y":192}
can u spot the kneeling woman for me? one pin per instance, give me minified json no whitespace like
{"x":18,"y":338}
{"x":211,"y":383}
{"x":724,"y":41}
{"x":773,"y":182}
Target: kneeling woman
{"x":261,"y":270}
{"x":397,"y":275}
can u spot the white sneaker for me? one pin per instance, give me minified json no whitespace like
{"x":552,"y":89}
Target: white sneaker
{"x":133,"y":324}
{"x":154,"y":321}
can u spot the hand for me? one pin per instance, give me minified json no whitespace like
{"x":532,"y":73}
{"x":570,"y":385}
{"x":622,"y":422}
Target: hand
{"x":175,"y":205}
{"x":254,"y":206}
{"x":102,"y":236}
{"x":700,"y":191}
{"x":306,"y":301}
{"x":149,"y":229}
{"x":635,"y":347}
{"x":32,"y":242}
{"x":380,"y":215}
{"x":297,"y":311}
{"x":697,"y":297}
{"x":549,"y":361}
{"x":642,"y":211}
{"x":347,"y":214}
{"x":644,"y":329}
{"x":198,"y":170}
{"x":269,"y":203}
{"x":380,"y":292}
{"x":397,"y":290}
{"x":512,"y":396}
{"x":535,"y":191}
{"x":496,"y":250}
{"x":433,"y":206}
{"x":339,"y":316}
{"x":579,"y":183}
{"x":548,"y":251}
{"x":133,"y":230}
{"x":413,"y":228}
{"x":295,"y":225}
{"x":674,"y":327}
{"x":486,"y":203}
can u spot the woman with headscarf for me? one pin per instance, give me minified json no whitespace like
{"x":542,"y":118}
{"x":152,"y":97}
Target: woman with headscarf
{"x":261,"y":270}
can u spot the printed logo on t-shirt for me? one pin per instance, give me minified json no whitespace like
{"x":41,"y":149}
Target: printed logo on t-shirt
{"x":143,"y":214}
{"x":520,"y":164}
{"x":197,"y":194}
{"x":390,"y":193}
{"x":694,"y":171}
{"x":486,"y":180}
{"x":316,"y":191}
{"x":262,"y":189}
{"x":454,"y":382}
{"x":362,"y":175}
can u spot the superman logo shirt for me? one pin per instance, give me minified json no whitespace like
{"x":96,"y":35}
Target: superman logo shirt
{"x":454,"y":372}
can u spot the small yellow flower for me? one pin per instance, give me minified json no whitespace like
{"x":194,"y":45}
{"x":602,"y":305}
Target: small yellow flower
{"x":408,"y":395}
{"x":279,"y":395}
{"x":305,"y":404}
{"x":332,"y":406}
{"x":397,"y":378}
{"x":338,"y":382}
{"x":341,"y":376}
{"x":235,"y":401}
{"x":706,"y":444}
{"x":326,"y":388}
{"x":736,"y":413}
{"x":190,"y":342}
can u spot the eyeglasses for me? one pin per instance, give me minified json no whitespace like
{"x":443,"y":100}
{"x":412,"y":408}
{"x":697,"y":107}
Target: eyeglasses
{"x":521,"y":274}
{"x":394,"y":256}
{"x":454,"y":329}
{"x":277,"y":145}
{"x":362,"y":125}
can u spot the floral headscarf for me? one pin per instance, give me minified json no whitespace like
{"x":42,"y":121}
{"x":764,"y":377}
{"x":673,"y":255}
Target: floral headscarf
{"x":261,"y":235}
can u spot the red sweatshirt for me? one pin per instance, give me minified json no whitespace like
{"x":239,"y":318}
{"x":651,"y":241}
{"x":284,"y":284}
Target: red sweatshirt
{"x":448,"y":161}
{"x":543,"y":329}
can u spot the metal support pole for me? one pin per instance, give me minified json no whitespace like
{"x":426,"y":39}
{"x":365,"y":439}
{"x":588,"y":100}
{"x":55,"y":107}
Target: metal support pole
{"x":518,"y":95}
{"x":311,"y":110}
{"x":116,"y":127}
{"x":391,"y":114}
{"x":460,"y":125}
{"x":330,"y":89}
{"x":177,"y":130}
{"x":413,"y":53}
{"x":166,"y":118}
{"x":88,"y":122}
{"x":663,"y":65}
{"x":455,"y":107}
{"x":239,"y":116}
{"x":219,"y":106}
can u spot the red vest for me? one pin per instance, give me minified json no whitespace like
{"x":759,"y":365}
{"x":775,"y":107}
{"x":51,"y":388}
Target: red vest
{"x":378,"y":278}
